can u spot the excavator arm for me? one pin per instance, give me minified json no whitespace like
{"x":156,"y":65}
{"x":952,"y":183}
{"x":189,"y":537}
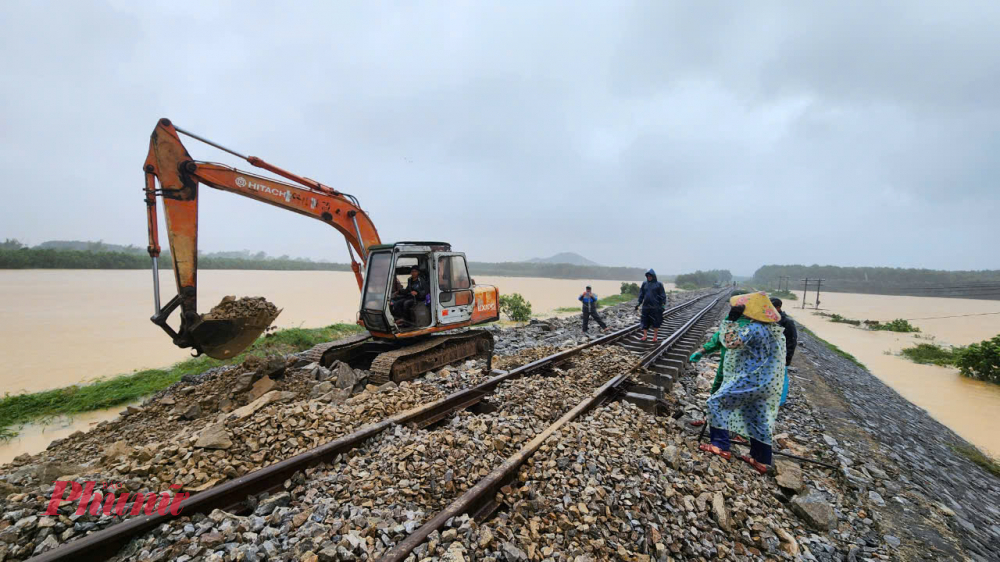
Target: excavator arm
{"x":179,"y":177}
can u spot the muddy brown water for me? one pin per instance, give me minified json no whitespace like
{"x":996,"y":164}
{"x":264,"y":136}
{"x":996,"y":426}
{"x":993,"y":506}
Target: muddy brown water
{"x":65,"y":327}
{"x":966,"y":406}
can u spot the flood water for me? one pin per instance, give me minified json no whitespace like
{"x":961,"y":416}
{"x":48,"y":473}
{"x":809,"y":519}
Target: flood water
{"x":966,"y":406}
{"x":64,"y":327}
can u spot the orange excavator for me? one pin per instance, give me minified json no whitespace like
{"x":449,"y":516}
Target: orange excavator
{"x":407,"y":332}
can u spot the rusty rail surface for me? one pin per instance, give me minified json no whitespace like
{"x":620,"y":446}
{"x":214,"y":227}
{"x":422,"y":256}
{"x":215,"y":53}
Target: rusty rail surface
{"x":480,"y":498}
{"x":231,"y":495}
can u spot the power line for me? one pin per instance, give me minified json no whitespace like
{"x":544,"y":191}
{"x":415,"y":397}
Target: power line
{"x":955,"y":316}
{"x":852,"y":283}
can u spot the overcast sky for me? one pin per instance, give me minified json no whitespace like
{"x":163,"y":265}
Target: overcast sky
{"x":677,"y":135}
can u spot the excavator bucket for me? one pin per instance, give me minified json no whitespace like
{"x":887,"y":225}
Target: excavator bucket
{"x":232,"y":326}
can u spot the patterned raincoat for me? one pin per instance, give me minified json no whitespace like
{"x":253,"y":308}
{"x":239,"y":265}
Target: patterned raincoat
{"x":753,"y":377}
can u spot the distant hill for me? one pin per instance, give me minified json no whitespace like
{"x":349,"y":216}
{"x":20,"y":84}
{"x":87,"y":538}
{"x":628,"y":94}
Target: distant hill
{"x":567,"y":258}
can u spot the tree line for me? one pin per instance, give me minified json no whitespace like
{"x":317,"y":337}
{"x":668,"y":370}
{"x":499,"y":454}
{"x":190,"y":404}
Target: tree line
{"x":32,"y":258}
{"x":701,"y":279}
{"x":97,"y":255}
{"x":555,"y":270}
{"x":983,"y":284}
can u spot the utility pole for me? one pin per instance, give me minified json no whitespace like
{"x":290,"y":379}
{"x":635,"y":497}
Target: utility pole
{"x":805,"y":290}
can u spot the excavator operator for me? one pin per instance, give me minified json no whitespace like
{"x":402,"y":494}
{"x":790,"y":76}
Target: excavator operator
{"x":415,"y":291}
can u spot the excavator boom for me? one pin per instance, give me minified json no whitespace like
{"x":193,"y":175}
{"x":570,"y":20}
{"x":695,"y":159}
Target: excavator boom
{"x":179,"y":179}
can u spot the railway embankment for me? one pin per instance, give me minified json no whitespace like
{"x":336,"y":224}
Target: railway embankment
{"x":901,"y":463}
{"x":617,"y":483}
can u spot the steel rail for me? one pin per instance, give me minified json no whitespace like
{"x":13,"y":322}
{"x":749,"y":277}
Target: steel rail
{"x":673,"y":338}
{"x":231,"y":495}
{"x":482,"y":494}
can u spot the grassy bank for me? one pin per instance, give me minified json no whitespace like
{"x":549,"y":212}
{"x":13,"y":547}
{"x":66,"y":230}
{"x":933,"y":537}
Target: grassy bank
{"x":978,"y":457}
{"x":601,"y":303}
{"x":22,"y":408}
{"x":832,"y":347}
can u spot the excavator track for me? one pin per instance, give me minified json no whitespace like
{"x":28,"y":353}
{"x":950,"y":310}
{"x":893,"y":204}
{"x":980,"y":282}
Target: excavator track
{"x":412,"y":361}
{"x":317,"y":351}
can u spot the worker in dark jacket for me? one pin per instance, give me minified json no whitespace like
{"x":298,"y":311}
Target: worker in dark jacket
{"x":791,"y":339}
{"x":653,"y":299}
{"x":589,"y":300}
{"x":415,"y":291}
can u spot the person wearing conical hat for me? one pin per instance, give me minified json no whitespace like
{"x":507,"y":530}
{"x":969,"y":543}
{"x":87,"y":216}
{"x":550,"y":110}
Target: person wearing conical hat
{"x":753,"y":378}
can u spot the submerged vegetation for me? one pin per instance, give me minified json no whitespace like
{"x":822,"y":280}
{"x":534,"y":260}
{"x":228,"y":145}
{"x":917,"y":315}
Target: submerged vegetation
{"x":930,"y":354}
{"x":980,"y":361}
{"x":122,"y":389}
{"x":841,"y":320}
{"x":897,"y":325}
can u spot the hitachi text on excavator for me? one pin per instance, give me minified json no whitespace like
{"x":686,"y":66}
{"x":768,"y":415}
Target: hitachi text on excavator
{"x":407,"y":332}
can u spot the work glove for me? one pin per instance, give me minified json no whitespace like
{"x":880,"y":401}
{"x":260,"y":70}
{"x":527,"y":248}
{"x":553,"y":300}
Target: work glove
{"x":637,"y":307}
{"x":695,"y":357}
{"x":735,"y":312}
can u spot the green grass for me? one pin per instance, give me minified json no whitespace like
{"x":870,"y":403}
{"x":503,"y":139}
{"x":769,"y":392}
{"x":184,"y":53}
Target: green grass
{"x":601,"y":303}
{"x":930,"y":354}
{"x":783,"y":294}
{"x":978,"y":457}
{"x":22,"y":408}
{"x":833,"y":348}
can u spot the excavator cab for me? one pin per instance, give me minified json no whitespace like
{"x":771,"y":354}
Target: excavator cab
{"x":451,"y":298}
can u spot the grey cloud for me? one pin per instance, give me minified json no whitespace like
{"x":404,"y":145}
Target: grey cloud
{"x":673,"y":134}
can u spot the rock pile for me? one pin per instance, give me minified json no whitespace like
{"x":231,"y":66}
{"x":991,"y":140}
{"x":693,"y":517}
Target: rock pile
{"x":231,"y":307}
{"x":207,"y":429}
{"x":620,"y":485}
{"x":204,"y":431}
{"x":359,"y":506}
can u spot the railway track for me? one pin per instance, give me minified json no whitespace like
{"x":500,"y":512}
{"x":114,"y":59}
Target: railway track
{"x":479,"y":502}
{"x":658,"y":366}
